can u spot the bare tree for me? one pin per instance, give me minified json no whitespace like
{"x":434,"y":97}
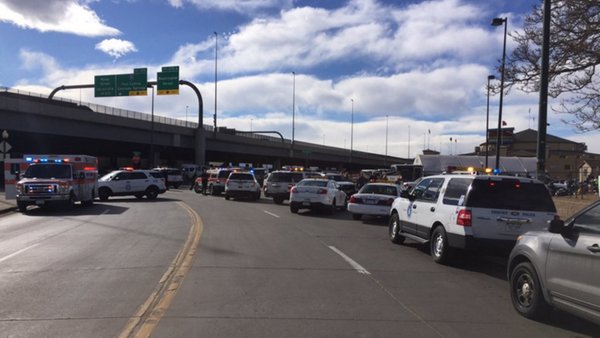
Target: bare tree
{"x":574,"y":56}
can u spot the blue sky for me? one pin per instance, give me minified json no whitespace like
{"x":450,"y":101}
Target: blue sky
{"x":402,"y":66}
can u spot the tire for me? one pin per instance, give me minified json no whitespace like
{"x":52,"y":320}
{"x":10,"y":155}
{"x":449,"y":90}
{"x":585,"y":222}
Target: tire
{"x":293,"y":208}
{"x":70,"y":203}
{"x":197,"y":189}
{"x":139,"y":196}
{"x":103,"y":194}
{"x":151,"y":192}
{"x":356,"y":217}
{"x":227,"y":197}
{"x":526,"y":291}
{"x":440,"y":250}
{"x":278,"y":200}
{"x":257,"y":197}
{"x":211,"y":191}
{"x":89,"y":202}
{"x":331,"y":210}
{"x":394,"y":229}
{"x":22,"y":206}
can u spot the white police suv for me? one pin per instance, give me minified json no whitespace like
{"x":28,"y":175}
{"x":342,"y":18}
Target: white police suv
{"x":470,"y":212}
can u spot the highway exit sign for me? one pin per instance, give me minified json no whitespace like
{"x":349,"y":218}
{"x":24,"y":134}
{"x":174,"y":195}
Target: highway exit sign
{"x":168,"y":81}
{"x":122,"y":84}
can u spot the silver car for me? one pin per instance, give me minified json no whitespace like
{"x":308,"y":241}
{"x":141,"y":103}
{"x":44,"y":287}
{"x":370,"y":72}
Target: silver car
{"x":559,"y":267}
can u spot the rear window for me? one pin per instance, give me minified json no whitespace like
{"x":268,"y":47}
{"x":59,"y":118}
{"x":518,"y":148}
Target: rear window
{"x":456,"y":190}
{"x":156,"y":174}
{"x":313,"y":183}
{"x":241,"y":176}
{"x":280,"y":177}
{"x":224,"y":173}
{"x":379,"y":189}
{"x":173,"y":172}
{"x":510,"y":194}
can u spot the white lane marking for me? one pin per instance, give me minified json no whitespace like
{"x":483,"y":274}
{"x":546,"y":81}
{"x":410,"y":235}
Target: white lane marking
{"x":18,"y":252}
{"x":355,"y":265}
{"x":272,"y":214}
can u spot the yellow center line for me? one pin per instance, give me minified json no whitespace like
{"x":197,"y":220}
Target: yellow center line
{"x":145,"y":320}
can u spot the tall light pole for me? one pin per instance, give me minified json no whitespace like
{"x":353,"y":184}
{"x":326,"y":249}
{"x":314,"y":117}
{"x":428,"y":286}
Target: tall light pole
{"x":293,"y":107}
{"x":386,"y":136}
{"x":215,"y":116}
{"x":4,"y":138}
{"x":186,"y":110}
{"x":352,"y":130}
{"x":543,"y":104}
{"x":487,"y":119}
{"x":500,"y":22}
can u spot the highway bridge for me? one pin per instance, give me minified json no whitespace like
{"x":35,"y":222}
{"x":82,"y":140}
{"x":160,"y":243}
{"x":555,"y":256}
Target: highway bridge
{"x":37,"y":124}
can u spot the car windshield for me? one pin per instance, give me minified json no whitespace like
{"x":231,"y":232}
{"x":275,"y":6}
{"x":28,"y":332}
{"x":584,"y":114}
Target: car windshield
{"x":313,"y":183}
{"x":48,"y":171}
{"x":280,"y":177}
{"x":379,"y":189}
{"x":511,"y":194}
{"x":224,"y":173}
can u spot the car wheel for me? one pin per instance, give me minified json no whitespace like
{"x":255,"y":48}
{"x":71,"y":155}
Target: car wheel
{"x":293,"y":208}
{"x":257,"y":197}
{"x":22,"y":206}
{"x":151,"y":193}
{"x":70,"y":203}
{"x":526,"y":292}
{"x":227,"y":197}
{"x":197,"y":188}
{"x":103,"y":194}
{"x":394,"y":229}
{"x":278,"y":200}
{"x":211,"y":191}
{"x":139,"y":195}
{"x":332,"y":207}
{"x":356,"y":217}
{"x":440,"y":250}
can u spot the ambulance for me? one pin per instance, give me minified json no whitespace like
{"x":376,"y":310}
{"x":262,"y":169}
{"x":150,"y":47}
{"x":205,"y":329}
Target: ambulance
{"x":45,"y":180}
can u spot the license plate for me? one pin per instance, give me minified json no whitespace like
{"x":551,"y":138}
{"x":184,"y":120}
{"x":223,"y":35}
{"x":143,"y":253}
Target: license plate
{"x":39,"y":202}
{"x":370,"y":201}
{"x":513,"y":226}
{"x":306,"y":204}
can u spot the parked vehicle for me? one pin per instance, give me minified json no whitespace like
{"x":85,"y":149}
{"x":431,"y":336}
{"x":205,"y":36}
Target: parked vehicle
{"x":173,"y":176}
{"x":56,"y":179}
{"x":138,"y":183}
{"x":559,"y":267}
{"x":348,"y":187}
{"x":315,"y":193}
{"x":279,"y":183}
{"x":217,"y":179}
{"x":242,"y":185}
{"x":470,"y":212}
{"x":374,"y":199}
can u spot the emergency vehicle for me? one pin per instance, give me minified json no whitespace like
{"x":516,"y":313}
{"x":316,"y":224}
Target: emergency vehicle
{"x":52,"y":179}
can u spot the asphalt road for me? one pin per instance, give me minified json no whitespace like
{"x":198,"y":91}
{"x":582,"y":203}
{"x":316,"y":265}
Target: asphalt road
{"x":257,"y":271}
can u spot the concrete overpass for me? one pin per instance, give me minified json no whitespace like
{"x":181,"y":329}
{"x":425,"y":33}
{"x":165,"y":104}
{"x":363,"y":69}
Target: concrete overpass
{"x":40,"y":125}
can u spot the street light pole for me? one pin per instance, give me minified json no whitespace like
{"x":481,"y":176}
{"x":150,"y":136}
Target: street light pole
{"x":215,"y":116}
{"x":386,"y":136}
{"x":487,"y":119}
{"x":352,"y":130}
{"x":186,"y":110}
{"x":499,"y":22}
{"x":293,"y":107}
{"x":4,"y":138}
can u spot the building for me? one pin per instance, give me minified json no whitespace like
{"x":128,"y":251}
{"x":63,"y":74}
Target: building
{"x":564,"y":158}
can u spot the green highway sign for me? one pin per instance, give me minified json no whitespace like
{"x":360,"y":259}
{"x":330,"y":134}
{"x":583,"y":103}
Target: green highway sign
{"x":122,"y":84}
{"x":168,"y":81}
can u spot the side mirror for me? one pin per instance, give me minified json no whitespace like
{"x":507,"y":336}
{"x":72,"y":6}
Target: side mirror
{"x":556,"y":226}
{"x":407,"y":194}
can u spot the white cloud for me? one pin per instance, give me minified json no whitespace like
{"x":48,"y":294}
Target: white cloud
{"x":116,"y":47}
{"x":244,"y":7}
{"x":64,"y":16}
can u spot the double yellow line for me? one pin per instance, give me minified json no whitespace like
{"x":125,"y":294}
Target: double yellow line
{"x":145,"y":320}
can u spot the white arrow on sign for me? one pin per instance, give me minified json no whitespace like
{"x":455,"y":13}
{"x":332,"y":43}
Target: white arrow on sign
{"x":4,"y":146}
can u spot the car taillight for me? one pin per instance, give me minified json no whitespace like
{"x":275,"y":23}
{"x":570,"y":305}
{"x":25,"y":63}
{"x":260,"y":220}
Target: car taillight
{"x":294,"y":190}
{"x":322,"y":191}
{"x":390,"y":201}
{"x":464,"y":218}
{"x":352,"y":199}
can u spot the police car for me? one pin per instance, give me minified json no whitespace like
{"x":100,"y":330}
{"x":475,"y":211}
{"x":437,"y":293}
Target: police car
{"x":457,"y":211}
{"x":138,"y":183}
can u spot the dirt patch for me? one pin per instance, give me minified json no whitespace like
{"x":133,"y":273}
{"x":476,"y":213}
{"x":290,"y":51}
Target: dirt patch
{"x":568,"y":205}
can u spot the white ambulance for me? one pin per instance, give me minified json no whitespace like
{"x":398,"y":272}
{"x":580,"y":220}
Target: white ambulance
{"x":52,"y":179}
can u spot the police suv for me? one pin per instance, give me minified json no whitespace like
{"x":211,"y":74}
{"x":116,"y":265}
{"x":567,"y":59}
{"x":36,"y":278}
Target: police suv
{"x":458,"y":211}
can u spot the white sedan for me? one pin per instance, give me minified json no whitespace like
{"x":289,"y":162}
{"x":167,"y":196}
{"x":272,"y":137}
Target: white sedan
{"x":315,"y":193}
{"x":373,"y":199}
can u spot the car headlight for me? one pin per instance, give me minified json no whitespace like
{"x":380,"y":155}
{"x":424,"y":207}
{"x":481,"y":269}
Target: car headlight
{"x":19,"y":188}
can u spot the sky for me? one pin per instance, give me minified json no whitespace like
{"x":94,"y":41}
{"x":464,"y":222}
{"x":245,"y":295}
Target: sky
{"x":393,"y":76}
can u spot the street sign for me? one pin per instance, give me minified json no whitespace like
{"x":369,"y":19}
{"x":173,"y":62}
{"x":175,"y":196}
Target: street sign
{"x":122,"y":84}
{"x":168,"y":81}
{"x":4,"y":147}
